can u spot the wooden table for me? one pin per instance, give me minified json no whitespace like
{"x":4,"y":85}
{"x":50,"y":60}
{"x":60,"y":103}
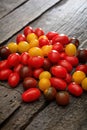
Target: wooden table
{"x":63,"y":16}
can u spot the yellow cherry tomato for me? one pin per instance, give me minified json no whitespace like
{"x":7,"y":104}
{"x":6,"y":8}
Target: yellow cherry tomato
{"x":78,"y":76}
{"x":31,"y":36}
{"x":70,"y":49}
{"x":13,"y":47}
{"x":45,"y":74}
{"x":43,"y":36}
{"x":84,"y":83}
{"x":34,"y":43}
{"x":23,"y":46}
{"x":44,"y":84}
{"x":46,"y":49}
{"x":35,"y":51}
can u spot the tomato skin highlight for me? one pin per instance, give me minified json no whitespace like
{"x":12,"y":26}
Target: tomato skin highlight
{"x":31,"y":95}
{"x":58,"y":83}
{"x":75,"y":89}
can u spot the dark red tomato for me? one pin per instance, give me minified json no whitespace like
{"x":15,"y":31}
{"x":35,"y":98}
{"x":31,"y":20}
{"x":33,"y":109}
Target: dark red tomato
{"x":66,"y":65}
{"x":4,"y":52}
{"x":73,"y":60}
{"x":75,"y":89}
{"x":24,"y":58}
{"x":62,"y":98}
{"x":4,"y":74}
{"x":82,"y":67}
{"x":68,"y":78}
{"x":50,"y":93}
{"x":59,"y":71}
{"x":13,"y":79}
{"x":47,"y":64}
{"x":51,"y":34}
{"x":3,"y":64}
{"x":43,"y":42}
{"x":13,"y":59}
{"x":75,"y":41}
{"x":28,"y":30}
{"x":58,"y":47}
{"x":54,"y":56}
{"x":20,"y":37}
{"x":29,"y":82}
{"x":17,"y":68}
{"x":58,"y":83}
{"x":25,"y":71}
{"x":63,"y":55}
{"x":62,"y":38}
{"x":36,"y":61}
{"x":39,"y":32}
{"x":37,"y":72}
{"x":82,"y":55}
{"x":31,"y":95}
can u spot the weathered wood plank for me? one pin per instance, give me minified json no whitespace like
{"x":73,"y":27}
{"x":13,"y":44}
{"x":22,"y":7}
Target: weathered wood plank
{"x":9,"y":102}
{"x":6,"y":6}
{"x":16,"y":20}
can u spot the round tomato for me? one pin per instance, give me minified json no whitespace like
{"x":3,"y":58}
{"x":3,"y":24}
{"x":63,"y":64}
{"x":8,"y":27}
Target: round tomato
{"x":45,"y":74}
{"x":4,"y":52}
{"x":13,"y":47}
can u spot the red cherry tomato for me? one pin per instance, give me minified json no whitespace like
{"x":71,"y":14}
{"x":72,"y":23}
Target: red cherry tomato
{"x":18,"y":68}
{"x":4,"y":52}
{"x":51,"y":34}
{"x":4,"y":74}
{"x":82,"y":67}
{"x":13,"y":79}
{"x":68,"y":78}
{"x":59,"y":71}
{"x":20,"y":37}
{"x":62,"y":38}
{"x":58,"y":83}
{"x":13,"y":59}
{"x":36,"y":61}
{"x":3,"y":64}
{"x":24,"y":58}
{"x":58,"y":47}
{"x":28,"y":30}
{"x":73,"y":60}
{"x":63,"y":55}
{"x":31,"y":95}
{"x":37,"y":72}
{"x":75,"y":89}
{"x":43,"y":42}
{"x":47,"y":64}
{"x":39,"y":32}
{"x":54,"y":56}
{"x":65,"y":64}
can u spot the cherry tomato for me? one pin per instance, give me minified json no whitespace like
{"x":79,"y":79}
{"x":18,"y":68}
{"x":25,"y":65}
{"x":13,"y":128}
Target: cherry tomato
{"x":25,"y":71}
{"x":34,"y":43}
{"x":50,"y":93}
{"x":13,"y":79}
{"x":70,"y":49}
{"x":84,"y":84}
{"x":68,"y":78}
{"x":59,"y":71}
{"x":62,"y":98}
{"x":3,"y":64}
{"x":13,"y":59}
{"x":78,"y":76}
{"x":24,"y":58}
{"x":4,"y":74}
{"x":45,"y":74}
{"x":46,"y":49}
{"x":54,"y":56}
{"x":63,"y":55}
{"x":20,"y":37}
{"x":51,"y":34}
{"x":31,"y":95}
{"x":29,"y":82}
{"x":75,"y":89}
{"x":13,"y":47}
{"x":58,"y":47}
{"x":23,"y":46}
{"x":39,"y":32}
{"x":66,"y":65}
{"x":4,"y":52}
{"x":47,"y":64}
{"x":44,"y":83}
{"x":75,"y":41}
{"x":43,"y":42}
{"x":82,"y":67}
{"x":28,"y":30}
{"x":17,"y":68}
{"x":62,"y":38}
{"x":36,"y":61}
{"x":58,"y":83}
{"x":73,"y":60}
{"x":35,"y":51}
{"x":31,"y":36}
{"x":37,"y":72}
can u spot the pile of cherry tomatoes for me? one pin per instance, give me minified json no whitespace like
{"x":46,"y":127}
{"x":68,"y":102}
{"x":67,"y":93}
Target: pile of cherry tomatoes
{"x":44,"y":63}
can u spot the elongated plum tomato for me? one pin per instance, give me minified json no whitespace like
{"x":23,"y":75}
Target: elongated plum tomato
{"x":31,"y":95}
{"x":39,"y":32}
{"x":13,"y":79}
{"x":73,"y":60}
{"x":24,"y":58}
{"x":82,"y":67}
{"x":58,"y":47}
{"x":28,"y":30}
{"x":3,"y":64}
{"x":37,"y":72}
{"x":75,"y":89}
{"x":4,"y":74}
{"x":20,"y":37}
{"x":51,"y":34}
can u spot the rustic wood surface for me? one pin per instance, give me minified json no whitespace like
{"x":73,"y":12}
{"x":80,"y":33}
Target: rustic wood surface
{"x":63,"y":16}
